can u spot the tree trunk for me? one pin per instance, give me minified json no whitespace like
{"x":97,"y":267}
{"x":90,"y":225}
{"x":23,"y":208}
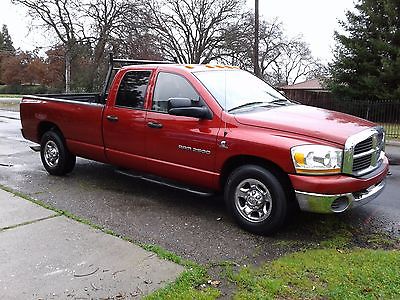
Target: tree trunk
{"x":68,"y":71}
{"x":256,"y":40}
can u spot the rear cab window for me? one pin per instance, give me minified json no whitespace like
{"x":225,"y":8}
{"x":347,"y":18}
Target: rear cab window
{"x":132,"y":89}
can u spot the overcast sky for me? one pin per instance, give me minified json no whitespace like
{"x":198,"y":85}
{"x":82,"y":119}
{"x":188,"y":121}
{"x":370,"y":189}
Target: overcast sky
{"x":315,"y":20}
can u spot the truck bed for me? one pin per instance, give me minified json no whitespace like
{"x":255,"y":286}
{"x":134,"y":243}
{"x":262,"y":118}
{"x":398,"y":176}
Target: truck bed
{"x":76,"y":97}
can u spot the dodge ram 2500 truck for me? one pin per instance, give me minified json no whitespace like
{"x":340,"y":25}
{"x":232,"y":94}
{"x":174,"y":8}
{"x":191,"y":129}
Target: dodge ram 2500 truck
{"x":214,"y":128}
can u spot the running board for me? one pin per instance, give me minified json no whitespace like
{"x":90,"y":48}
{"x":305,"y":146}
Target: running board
{"x":164,"y":182}
{"x":35,"y":148}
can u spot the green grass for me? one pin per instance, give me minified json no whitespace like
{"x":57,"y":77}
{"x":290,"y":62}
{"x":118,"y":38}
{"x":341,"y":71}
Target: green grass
{"x":189,"y":284}
{"x":10,"y":96}
{"x":324,"y":274}
{"x":392,"y":131}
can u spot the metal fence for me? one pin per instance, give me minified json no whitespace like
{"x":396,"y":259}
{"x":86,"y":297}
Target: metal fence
{"x":383,"y":112}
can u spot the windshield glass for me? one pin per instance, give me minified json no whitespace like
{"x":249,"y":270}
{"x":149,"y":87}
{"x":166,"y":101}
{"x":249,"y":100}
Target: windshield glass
{"x":235,"y":89}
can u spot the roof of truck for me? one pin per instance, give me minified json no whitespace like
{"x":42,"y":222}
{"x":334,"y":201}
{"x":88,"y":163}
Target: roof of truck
{"x":188,"y":67}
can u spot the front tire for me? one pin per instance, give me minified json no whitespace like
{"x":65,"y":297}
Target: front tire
{"x":54,"y":154}
{"x":256,"y":199}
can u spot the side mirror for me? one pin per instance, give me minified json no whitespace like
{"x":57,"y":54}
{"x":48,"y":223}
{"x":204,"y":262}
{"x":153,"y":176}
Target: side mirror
{"x":184,"y":107}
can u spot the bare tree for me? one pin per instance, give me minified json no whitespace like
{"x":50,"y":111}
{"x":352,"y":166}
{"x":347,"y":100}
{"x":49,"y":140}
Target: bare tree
{"x":133,"y":38}
{"x":238,"y":48}
{"x":294,"y":63}
{"x":191,"y":31}
{"x":105,"y":18}
{"x":62,"y":18}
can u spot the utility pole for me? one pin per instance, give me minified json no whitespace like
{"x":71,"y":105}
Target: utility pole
{"x":256,"y":41}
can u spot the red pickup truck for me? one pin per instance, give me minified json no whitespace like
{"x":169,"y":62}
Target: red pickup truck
{"x":214,"y":128}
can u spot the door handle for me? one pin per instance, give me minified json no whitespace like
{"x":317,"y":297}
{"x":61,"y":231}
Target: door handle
{"x":154,"y":125}
{"x":112,"y":118}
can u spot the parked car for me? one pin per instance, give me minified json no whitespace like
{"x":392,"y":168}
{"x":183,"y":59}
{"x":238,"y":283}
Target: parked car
{"x":210,"y":128}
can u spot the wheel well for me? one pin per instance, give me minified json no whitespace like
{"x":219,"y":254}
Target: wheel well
{"x":47,"y":126}
{"x":237,"y":161}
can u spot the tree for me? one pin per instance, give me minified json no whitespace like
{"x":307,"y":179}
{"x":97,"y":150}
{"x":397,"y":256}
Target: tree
{"x":281,"y":60}
{"x":191,"y":31}
{"x":64,"y":19}
{"x":367,"y":57}
{"x":106,"y":18}
{"x":23,"y":68}
{"x":6,"y":44}
{"x":294,"y":62}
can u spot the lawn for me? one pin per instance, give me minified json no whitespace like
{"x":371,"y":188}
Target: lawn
{"x":392,"y":130}
{"x":10,"y":96}
{"x":324,"y":274}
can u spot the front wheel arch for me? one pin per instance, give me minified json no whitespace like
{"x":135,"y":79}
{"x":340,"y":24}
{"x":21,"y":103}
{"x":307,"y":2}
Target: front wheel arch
{"x":238,"y":161}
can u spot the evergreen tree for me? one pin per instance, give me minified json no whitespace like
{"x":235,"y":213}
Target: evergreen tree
{"x":6,"y":44}
{"x":367,"y":58}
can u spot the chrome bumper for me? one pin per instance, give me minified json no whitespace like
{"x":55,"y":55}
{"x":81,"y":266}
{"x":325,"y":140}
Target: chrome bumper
{"x":324,"y":203}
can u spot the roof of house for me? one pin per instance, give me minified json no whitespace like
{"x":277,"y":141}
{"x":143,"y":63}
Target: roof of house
{"x":313,"y":84}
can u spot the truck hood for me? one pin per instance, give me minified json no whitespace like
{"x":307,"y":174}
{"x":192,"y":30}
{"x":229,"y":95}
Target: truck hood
{"x":306,"y":120}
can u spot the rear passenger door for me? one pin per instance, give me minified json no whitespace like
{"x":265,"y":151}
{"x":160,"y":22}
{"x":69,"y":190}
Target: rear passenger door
{"x":178,"y":147}
{"x":124,"y":121}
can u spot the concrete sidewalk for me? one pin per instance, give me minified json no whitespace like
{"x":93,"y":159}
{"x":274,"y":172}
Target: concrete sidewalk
{"x":47,"y":256}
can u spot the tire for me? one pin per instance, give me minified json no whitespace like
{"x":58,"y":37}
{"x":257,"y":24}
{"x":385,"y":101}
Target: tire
{"x":55,"y":156}
{"x":256,"y":199}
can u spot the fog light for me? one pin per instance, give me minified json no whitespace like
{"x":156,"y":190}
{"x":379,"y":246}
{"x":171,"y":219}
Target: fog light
{"x":340,"y":204}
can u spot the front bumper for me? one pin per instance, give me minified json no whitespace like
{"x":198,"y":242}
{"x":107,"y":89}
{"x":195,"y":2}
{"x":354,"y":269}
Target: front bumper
{"x":337,"y":193}
{"x":325,"y":203}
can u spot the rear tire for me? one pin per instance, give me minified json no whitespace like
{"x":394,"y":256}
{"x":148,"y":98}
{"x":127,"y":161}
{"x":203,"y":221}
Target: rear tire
{"x":256,"y":199}
{"x":55,"y":156}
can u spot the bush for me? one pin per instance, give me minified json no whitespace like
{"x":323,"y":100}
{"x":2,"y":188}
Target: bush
{"x":28,"y":89}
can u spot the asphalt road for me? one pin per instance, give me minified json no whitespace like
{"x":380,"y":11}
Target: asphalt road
{"x":194,"y":227}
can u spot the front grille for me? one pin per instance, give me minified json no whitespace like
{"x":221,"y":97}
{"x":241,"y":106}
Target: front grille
{"x":363,"y":146}
{"x":361,"y":163}
{"x":362,"y":152}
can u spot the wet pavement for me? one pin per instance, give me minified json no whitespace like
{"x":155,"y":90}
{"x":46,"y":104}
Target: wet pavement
{"x":45,"y":255}
{"x":194,"y":227}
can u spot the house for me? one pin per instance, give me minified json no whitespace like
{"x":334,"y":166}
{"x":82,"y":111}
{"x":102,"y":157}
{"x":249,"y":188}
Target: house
{"x":307,"y":92}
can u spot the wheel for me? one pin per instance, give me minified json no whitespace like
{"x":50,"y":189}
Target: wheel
{"x":256,"y":199}
{"x":55,"y":156}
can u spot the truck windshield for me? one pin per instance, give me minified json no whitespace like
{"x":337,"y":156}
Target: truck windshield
{"x":237,"y":89}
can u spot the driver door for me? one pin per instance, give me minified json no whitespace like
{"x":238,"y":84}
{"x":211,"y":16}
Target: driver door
{"x":179,"y":147}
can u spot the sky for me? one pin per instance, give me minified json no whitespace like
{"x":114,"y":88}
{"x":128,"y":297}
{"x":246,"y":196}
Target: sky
{"x":315,"y":20}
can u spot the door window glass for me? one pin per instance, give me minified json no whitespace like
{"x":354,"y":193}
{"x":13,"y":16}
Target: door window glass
{"x":170,"y":85}
{"x":132,"y":89}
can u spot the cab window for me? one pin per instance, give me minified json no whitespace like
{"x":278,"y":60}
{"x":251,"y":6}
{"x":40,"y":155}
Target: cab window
{"x":170,"y":85}
{"x":132,"y":90}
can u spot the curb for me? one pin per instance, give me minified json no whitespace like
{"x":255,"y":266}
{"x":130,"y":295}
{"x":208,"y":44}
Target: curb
{"x":393,"y":143}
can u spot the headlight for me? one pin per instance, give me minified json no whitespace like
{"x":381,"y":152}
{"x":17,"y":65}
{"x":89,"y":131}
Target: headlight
{"x":317,"y":159}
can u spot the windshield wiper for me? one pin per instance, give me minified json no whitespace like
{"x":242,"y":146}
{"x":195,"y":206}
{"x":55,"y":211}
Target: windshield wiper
{"x":248,"y":105}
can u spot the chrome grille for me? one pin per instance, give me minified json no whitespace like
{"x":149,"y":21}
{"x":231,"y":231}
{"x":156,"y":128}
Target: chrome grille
{"x":363,"y":146}
{"x":363,"y":152}
{"x":361,"y":163}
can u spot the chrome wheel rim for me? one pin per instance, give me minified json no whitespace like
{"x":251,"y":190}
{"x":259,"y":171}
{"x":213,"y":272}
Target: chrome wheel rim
{"x":51,"y":154}
{"x":253,"y":200}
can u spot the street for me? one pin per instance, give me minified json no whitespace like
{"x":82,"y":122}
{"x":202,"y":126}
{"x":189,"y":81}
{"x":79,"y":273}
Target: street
{"x":193,"y":227}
